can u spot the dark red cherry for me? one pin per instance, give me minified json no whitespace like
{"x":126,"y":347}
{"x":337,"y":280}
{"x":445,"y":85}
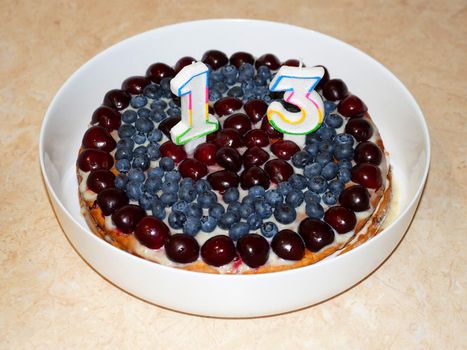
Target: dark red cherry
{"x":218,"y":250}
{"x":238,"y":58}
{"x":229,"y":158}
{"x":359,"y":128}
{"x":92,"y":159}
{"x":288,"y":245}
{"x":284,"y":149}
{"x":158,"y":71}
{"x":367,"y":175}
{"x":278,"y":170}
{"x":316,"y":234}
{"x":135,"y":85}
{"x":368,"y":152}
{"x":223,"y":179}
{"x":269,"y":60}
{"x":254,"y":156}
{"x":111,"y":199}
{"x":215,"y":58}
{"x":228,"y":138}
{"x":324,"y":79}
{"x":182,"y":248}
{"x":192,"y":168}
{"x":167,"y":124}
{"x":206,"y":153}
{"x":355,"y":198}
{"x":107,"y":117}
{"x":127,"y":217}
{"x":227,"y":105}
{"x":256,"y":110}
{"x":352,"y":106}
{"x":117,"y":99}
{"x":292,"y":62}
{"x":183,"y":62}
{"x":100,"y":179}
{"x":239,"y":122}
{"x":335,"y":89}
{"x":341,"y":219}
{"x":152,"y":232}
{"x":98,"y":137}
{"x":269,"y":130}
{"x":253,"y":249}
{"x":254,"y":176}
{"x":176,"y":152}
{"x":256,"y":137}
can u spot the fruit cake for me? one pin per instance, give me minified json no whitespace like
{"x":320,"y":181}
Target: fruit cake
{"x":246,"y":200}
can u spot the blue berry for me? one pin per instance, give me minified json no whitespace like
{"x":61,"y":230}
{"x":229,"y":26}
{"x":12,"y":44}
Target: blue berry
{"x":234,"y":206}
{"x":126,"y":130}
{"x":187,"y":181}
{"x":153,"y":151}
{"x":144,"y":125}
{"x":254,"y":221}
{"x":134,"y":189}
{"x":263,"y":72}
{"x":329,"y":198}
{"x":214,"y":95}
{"x":294,"y":198}
{"x":312,"y":138}
{"x":123,"y":153}
{"x":283,"y":188}
{"x":123,"y":165}
{"x":144,"y":113}
{"x":152,"y":91}
{"x":263,"y":208}
{"x":173,"y":112}
{"x":231,"y":195}
{"x":248,"y":199}
{"x":174,"y":103}
{"x":170,"y":186}
{"x":207,"y":199}
{"x":298,"y":181}
{"x":329,"y":171}
{"x":269,"y":229}
{"x":159,"y":105}
{"x":176,"y":220}
{"x":343,"y":175}
{"x":129,"y":116}
{"x":235,"y":91}
{"x":126,"y":142}
{"x":153,"y":184}
{"x":334,"y":120}
{"x":140,"y":162}
{"x":220,"y":86}
{"x":312,"y":149}
{"x":202,"y":185}
{"x":317,"y":184}
{"x":187,"y":193}
{"x":326,"y":133}
{"x":245,"y":72}
{"x":166,"y":163}
{"x":155,"y":135}
{"x":238,"y":230}
{"x":228,"y":219}
{"x":192,"y":226}
{"x":155,"y":172}
{"x":120,"y":181}
{"x":208,"y":223}
{"x":216,"y":211}
{"x":329,"y":106}
{"x":248,"y":85}
{"x":173,"y":175}
{"x":158,"y":210}
{"x":165,"y":84}
{"x":344,"y":139}
{"x":216,"y":75}
{"x":314,"y":210}
{"x":311,"y":196}
{"x":229,"y":71}
{"x":168,"y":198}
{"x":139,"y":151}
{"x":246,"y":210}
{"x":138,"y":101}
{"x":323,"y":158}
{"x":301,"y":159}
{"x":344,"y":152}
{"x":145,"y":201}
{"x":336,"y":187}
{"x":326,"y":146}
{"x":313,"y":169}
{"x":268,"y":99}
{"x":285,"y":214}
{"x":180,"y":206}
{"x":194,"y":210}
{"x":157,"y":116}
{"x":273,"y":197}
{"x":136,"y":175}
{"x":139,"y":138}
{"x":344,"y":164}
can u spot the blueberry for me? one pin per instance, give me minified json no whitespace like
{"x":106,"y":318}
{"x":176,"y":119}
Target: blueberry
{"x":254,"y":221}
{"x":141,"y":162}
{"x":294,"y":198}
{"x":155,"y":172}
{"x":311,"y":196}
{"x":228,"y":219}
{"x":159,"y":105}
{"x":269,"y":229}
{"x":298,"y":181}
{"x":336,"y":187}
{"x":144,"y":125}
{"x":173,"y":112}
{"x":256,"y":191}
{"x":344,"y":152}
{"x":343,"y":175}
{"x":329,"y":171}
{"x":284,"y":213}
{"x":194,"y":210}
{"x":145,"y":201}
{"x":238,"y":230}
{"x":263,"y":72}
{"x":134,"y":189}
{"x":139,"y":138}
{"x":344,"y":139}
{"x":155,"y":135}
{"x":248,"y":85}
{"x":268,"y":99}
{"x":214,"y":95}
{"x":248,"y":199}
{"x":317,"y":184}
{"x":176,"y":220}
{"x":123,"y":165}
{"x":231,"y":195}
{"x":323,"y":158}
{"x":326,"y":133}
{"x":202,"y":185}
{"x":123,"y":153}
{"x":139,"y":151}
{"x":312,"y":138}
{"x":229,"y":71}
{"x":192,"y":226}
{"x":136,"y":175}
{"x":216,"y":211}
{"x":334,"y":120}
{"x":187,"y":193}
{"x":263,"y":208}
{"x":126,"y":142}
{"x":175,"y":103}
{"x":157,"y":116}
{"x":344,"y":164}
{"x":158,"y":210}
{"x":153,"y":151}
{"x":326,"y":146}
{"x":235,"y":91}
{"x":235,"y":207}
{"x":207,"y":199}
{"x":165,"y":84}
{"x":283,"y":188}
{"x":173,"y":175}
{"x":144,"y":113}
{"x":314,"y":210}
{"x":273,"y":197}
{"x":312,"y":149}
{"x":329,"y":198}
{"x":180,"y":206}
{"x":129,"y":116}
{"x":120,"y":181}
{"x":166,"y":163}
{"x":246,"y":210}
{"x":329,"y":106}
{"x":208,"y":223}
{"x":138,"y":101}
{"x":301,"y":158}
{"x":220,"y":86}
{"x":126,"y":130}
{"x":168,"y":198}
{"x":187,"y":181}
{"x":245,"y":72}
{"x":313,"y":169}
{"x":170,"y":186}
{"x":153,"y":184}
{"x":152,"y":91}
{"x":216,"y":75}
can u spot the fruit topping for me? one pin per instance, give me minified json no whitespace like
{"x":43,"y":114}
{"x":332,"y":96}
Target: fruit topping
{"x":253,"y":249}
{"x":284,"y":149}
{"x":368,"y":152}
{"x":92,"y":159}
{"x":288,"y":245}
{"x":152,"y":232}
{"x":256,"y":109}
{"x":367,"y":175}
{"x":228,"y":138}
{"x":100,"y":179}
{"x":341,"y":219}
{"x":167,"y":124}
{"x":254,"y":156}
{"x":324,"y":79}
{"x":193,"y":168}
{"x":127,"y":217}
{"x":182,"y":248}
{"x":182,"y":62}
{"x":106,"y":117}
{"x":99,"y":138}
{"x":355,"y":198}
{"x":215,"y":58}
{"x":292,"y":62}
{"x":256,"y":137}
{"x":239,"y":58}
{"x":335,"y":89}
{"x":269,"y":60}
{"x":359,"y":128}
{"x":254,"y":176}
{"x":158,"y":71}
{"x":239,"y":122}
{"x":223,"y":179}
{"x":269,"y":129}
{"x":278,"y":170}
{"x":117,"y":99}
{"x":316,"y":234}
{"x":206,"y":153}
{"x":229,"y":158}
{"x":111,"y":199}
{"x":135,"y":85}
{"x":352,"y":106}
{"x":218,"y":250}
{"x":171,"y":150}
{"x":227,"y":105}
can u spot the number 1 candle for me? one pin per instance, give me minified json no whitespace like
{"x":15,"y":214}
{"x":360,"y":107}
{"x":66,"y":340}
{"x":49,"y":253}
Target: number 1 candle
{"x":191,"y":84}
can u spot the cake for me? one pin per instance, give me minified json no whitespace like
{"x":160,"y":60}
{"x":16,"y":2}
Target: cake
{"x":247,"y":200}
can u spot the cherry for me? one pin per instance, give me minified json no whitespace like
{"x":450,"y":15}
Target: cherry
{"x":278,"y":170}
{"x":229,"y":158}
{"x":335,"y":89}
{"x":368,"y":152}
{"x":253,"y":249}
{"x":228,"y":137}
{"x":107,"y":117}
{"x":324,"y":79}
{"x":269,"y":130}
{"x":254,"y":156}
{"x":98,"y":137}
{"x":269,"y":60}
{"x":367,"y":175}
{"x":352,"y":106}
{"x":222,"y":180}
{"x":341,"y":219}
{"x":135,"y":85}
{"x":288,"y":245}
{"x":100,"y":179}
{"x":256,"y":110}
{"x":256,"y":137}
{"x":254,"y":176}
{"x":315,"y":233}
{"x":183,"y":62}
{"x":218,"y":250}
{"x":167,"y":124}
{"x":176,"y":152}
{"x":182,"y":248}
{"x":92,"y":159}
{"x":158,"y":71}
{"x":111,"y":199}
{"x":152,"y":232}
{"x":359,"y":128}
{"x":215,"y":59}
{"x":117,"y":99}
{"x":292,"y":62}
{"x":355,"y":198}
{"x":127,"y":217}
{"x":192,"y":168}
{"x":238,"y":58}
{"x":206,"y":153}
{"x":239,"y":122}
{"x":284,"y":149}
{"x":227,"y":105}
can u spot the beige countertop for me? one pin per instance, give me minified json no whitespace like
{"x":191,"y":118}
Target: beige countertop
{"x":50,"y":298}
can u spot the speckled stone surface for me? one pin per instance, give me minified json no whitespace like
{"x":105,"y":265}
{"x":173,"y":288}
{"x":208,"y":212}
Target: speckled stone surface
{"x":50,"y":298}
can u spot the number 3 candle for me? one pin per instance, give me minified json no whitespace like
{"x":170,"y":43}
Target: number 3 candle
{"x":191,"y":84}
{"x":298,"y":84}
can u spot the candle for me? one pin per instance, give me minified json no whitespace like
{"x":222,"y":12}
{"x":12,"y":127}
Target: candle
{"x":191,"y":84}
{"x":298,"y":84}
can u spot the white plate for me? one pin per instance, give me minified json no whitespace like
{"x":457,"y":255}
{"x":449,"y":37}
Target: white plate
{"x":390,"y":104}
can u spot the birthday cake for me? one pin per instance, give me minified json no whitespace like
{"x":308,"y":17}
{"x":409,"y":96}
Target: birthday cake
{"x":233,"y":165}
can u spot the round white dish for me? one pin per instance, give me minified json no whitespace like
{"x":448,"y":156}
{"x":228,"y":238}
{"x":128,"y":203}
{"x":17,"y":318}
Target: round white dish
{"x":390,"y":104}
